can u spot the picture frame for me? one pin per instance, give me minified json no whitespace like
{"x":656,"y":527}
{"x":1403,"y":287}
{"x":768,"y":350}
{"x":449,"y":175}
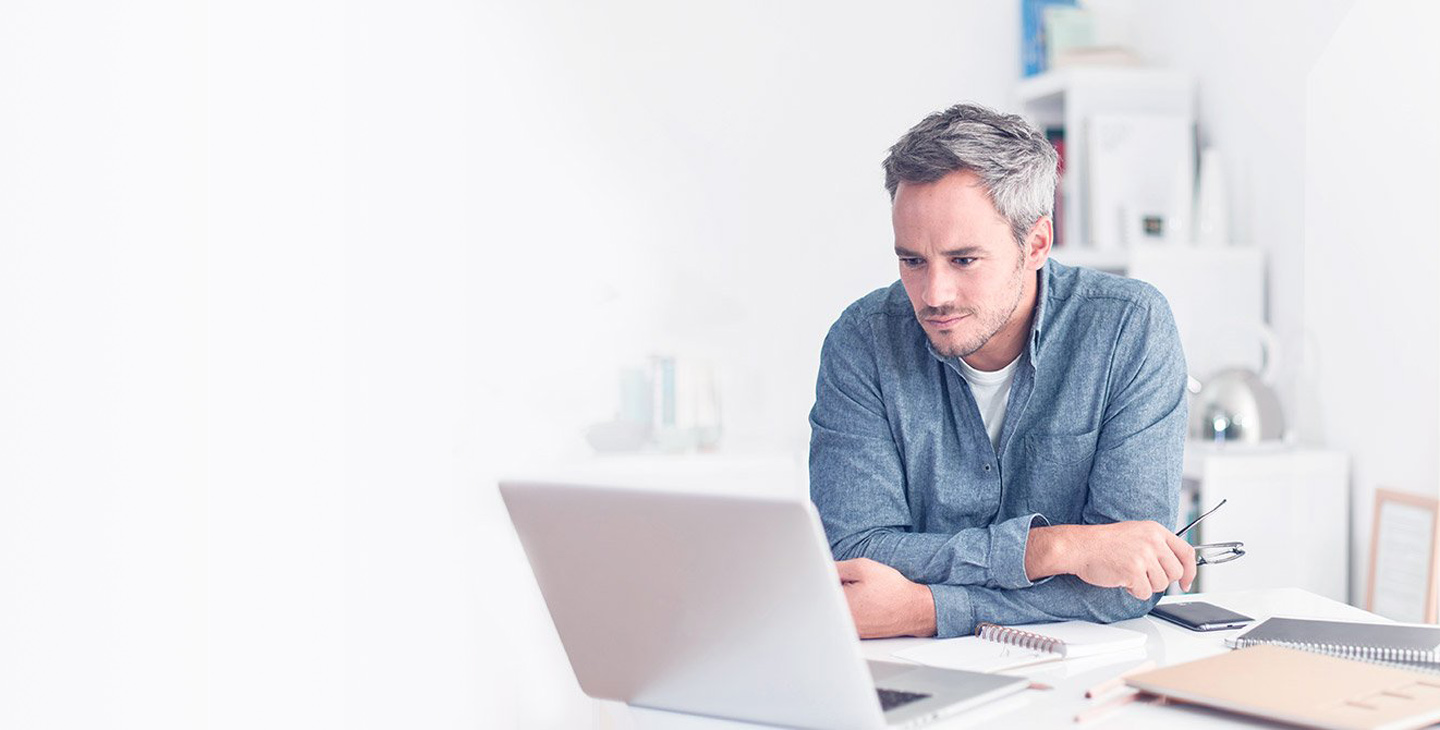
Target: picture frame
{"x":1404,"y":557}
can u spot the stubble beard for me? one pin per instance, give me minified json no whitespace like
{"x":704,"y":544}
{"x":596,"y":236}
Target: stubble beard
{"x":991,"y":321}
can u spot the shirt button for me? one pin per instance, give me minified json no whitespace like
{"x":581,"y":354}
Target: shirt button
{"x":987,"y":467}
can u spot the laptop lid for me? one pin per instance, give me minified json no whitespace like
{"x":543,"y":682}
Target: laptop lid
{"x":709,"y":604}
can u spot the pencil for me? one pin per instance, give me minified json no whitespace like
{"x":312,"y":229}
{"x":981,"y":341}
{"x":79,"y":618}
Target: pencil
{"x":1116,"y":681}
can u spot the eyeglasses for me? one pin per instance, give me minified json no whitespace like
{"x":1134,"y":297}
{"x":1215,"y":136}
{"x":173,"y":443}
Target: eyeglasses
{"x":1215,"y":552}
{"x":1218,"y":552}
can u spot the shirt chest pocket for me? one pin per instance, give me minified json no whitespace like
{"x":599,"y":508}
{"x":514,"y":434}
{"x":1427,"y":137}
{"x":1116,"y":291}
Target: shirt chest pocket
{"x":1058,"y":471}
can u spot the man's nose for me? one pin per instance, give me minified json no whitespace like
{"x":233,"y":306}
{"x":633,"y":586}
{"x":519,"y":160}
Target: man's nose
{"x":940,"y":289}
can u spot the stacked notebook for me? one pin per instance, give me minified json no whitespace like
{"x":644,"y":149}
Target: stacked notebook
{"x":1300,"y":687}
{"x":1409,"y":646}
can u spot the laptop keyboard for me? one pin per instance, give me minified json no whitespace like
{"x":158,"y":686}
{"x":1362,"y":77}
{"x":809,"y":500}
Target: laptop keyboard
{"x":893,"y":698}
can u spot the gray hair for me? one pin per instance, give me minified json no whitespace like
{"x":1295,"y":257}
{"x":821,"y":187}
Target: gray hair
{"x":1015,"y":163}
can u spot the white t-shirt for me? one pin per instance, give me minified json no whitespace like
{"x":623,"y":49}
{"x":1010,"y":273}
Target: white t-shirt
{"x":992,"y":392}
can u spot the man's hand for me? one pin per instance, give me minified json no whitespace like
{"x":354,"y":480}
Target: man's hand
{"x":1143,"y":557}
{"x":885,"y":603}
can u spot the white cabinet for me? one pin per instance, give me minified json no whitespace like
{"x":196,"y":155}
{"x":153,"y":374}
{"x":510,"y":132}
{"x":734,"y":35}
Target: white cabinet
{"x":1290,"y":507}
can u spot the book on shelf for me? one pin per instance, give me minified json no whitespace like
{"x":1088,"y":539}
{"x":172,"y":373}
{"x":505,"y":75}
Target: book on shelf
{"x":1056,"y":135}
{"x":1032,"y":33}
{"x":1067,"y":29}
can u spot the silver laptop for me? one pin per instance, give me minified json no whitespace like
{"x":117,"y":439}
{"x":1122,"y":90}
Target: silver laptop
{"x":717,"y":605}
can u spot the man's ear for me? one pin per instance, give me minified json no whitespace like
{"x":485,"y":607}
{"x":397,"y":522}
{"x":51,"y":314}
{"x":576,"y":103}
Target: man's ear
{"x":1037,"y":243}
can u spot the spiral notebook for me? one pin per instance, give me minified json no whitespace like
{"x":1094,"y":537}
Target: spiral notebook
{"x":1417,"y":644}
{"x":996,"y":648}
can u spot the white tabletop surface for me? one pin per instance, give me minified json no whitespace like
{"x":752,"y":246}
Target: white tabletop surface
{"x":1168,"y":644}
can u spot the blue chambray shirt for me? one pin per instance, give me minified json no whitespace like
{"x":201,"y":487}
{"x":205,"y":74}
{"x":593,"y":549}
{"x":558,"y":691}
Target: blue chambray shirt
{"x":902,"y":471}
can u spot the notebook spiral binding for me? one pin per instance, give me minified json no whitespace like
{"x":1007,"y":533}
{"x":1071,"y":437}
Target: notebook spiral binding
{"x":1016,"y":637}
{"x":1417,"y":660}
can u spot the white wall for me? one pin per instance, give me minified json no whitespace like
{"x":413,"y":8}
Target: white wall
{"x":286,"y":285}
{"x":734,"y":152}
{"x":1372,"y":269}
{"x":104,"y":426}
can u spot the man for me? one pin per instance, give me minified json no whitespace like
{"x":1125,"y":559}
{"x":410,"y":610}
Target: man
{"x":996,"y":437}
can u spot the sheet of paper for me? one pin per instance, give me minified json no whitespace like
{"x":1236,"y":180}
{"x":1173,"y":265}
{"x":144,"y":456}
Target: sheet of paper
{"x":1081,"y":639}
{"x":1084,"y":638}
{"x":1402,"y":561}
{"x":1055,"y":671}
{"x":974,"y":654}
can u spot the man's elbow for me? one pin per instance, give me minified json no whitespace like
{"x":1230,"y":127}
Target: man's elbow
{"x":846,"y":550}
{"x":1102,"y":605}
{"x":856,"y":544}
{"x":1116,"y":604}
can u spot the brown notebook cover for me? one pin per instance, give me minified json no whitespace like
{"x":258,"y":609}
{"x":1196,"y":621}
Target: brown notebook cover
{"x":1302,"y":688}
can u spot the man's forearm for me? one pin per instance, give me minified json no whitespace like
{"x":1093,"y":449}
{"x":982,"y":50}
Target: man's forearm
{"x":993,"y":555}
{"x":1141,"y":556}
{"x":1048,"y":551}
{"x":1064,"y":598}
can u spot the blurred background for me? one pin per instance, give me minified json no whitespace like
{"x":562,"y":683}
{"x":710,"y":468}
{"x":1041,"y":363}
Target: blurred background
{"x":286,"y":287}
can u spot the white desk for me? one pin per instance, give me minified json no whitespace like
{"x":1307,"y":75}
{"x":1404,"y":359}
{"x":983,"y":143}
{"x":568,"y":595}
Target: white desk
{"x":1168,"y":644}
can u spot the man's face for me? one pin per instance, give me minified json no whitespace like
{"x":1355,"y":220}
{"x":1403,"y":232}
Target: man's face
{"x":959,"y":262}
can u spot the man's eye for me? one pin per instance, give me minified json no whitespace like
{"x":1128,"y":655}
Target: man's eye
{"x":910,"y":263}
{"x":963,"y":260}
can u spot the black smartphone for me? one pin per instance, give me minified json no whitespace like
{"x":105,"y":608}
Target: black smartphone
{"x":1200,"y":616}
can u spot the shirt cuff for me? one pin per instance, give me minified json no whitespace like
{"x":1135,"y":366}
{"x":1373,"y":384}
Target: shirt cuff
{"x":954,"y":614}
{"x":1008,"y":541}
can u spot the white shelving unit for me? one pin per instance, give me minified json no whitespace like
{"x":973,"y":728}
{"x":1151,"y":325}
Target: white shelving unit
{"x":1115,"y":261}
{"x":1068,"y":98}
{"x":1217,"y":330}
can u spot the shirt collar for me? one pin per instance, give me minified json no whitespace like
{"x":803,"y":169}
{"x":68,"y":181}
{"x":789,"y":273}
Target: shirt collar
{"x":1037,"y":323}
